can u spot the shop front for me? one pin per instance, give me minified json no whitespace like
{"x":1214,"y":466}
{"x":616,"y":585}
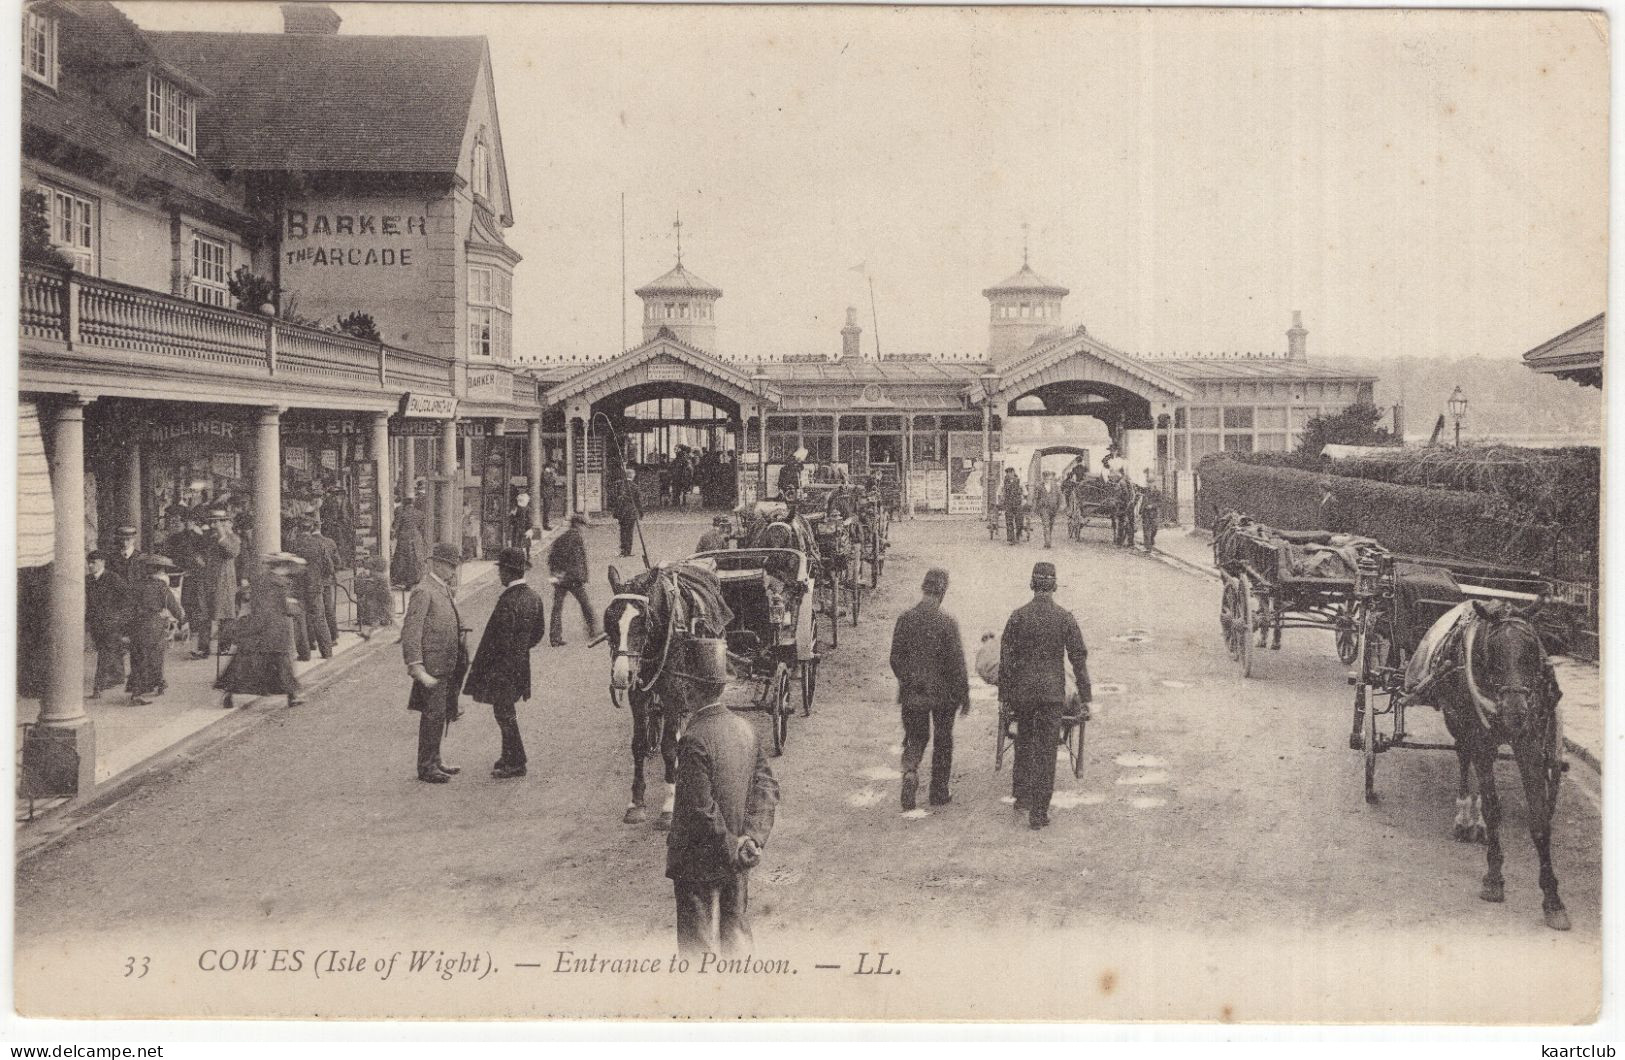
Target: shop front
{"x":328,"y":472}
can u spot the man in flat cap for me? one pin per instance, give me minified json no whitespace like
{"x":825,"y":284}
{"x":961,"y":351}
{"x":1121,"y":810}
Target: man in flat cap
{"x":500,"y":674}
{"x":929,"y":663}
{"x":128,"y":562}
{"x":432,"y":647}
{"x":1038,"y":640}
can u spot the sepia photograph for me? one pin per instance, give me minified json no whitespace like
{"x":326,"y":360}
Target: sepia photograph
{"x":991,"y":514}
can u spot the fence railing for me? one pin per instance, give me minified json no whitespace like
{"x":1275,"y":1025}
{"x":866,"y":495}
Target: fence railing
{"x":89,"y":313}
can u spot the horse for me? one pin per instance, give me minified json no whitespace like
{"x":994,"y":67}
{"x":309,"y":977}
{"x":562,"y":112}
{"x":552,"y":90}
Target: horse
{"x":1494,"y":687}
{"x":653,"y":624}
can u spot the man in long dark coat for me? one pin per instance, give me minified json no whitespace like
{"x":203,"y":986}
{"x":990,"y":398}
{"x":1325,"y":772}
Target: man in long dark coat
{"x":436,"y":659}
{"x":627,"y":510}
{"x":125,"y":560}
{"x":1038,"y":640}
{"x":107,"y":613}
{"x":567,"y":566}
{"x":928,"y":660}
{"x":217,"y":600}
{"x":500,"y":674}
{"x":1010,"y":495}
{"x":726,"y":798}
{"x":310,"y":583}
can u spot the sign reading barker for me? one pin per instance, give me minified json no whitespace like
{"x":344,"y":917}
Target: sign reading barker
{"x":352,"y":239}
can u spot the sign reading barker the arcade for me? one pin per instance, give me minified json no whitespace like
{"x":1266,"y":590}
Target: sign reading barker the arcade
{"x":372,"y":254}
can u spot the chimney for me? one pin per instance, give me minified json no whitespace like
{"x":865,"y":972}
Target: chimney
{"x":310,"y":20}
{"x":1297,"y":339}
{"x":850,"y":336}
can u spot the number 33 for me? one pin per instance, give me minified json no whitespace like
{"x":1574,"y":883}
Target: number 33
{"x":130,"y":967}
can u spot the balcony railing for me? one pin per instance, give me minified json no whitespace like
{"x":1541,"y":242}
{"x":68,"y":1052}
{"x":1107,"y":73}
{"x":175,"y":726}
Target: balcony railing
{"x":87,"y":313}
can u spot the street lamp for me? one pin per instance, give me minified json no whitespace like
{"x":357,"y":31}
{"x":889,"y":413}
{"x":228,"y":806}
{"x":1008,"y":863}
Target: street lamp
{"x":1458,"y":408}
{"x":758,"y":382}
{"x":990,"y":387}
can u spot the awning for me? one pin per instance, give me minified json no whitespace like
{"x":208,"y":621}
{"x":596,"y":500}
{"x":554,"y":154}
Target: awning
{"x":36,"y":512}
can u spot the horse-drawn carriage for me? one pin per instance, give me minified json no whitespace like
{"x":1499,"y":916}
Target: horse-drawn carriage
{"x":770,"y":635}
{"x":1091,"y":498}
{"x":1284,"y":579}
{"x":831,"y":510}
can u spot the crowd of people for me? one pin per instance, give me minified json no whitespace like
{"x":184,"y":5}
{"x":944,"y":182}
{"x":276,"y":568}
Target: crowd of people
{"x":688,"y":474}
{"x":1132,"y":506}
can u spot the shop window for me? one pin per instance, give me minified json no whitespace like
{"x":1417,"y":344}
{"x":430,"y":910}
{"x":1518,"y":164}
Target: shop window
{"x":927,"y":446}
{"x":1272,"y":442}
{"x":39,"y":47}
{"x":1238,"y":443}
{"x":818,"y":423}
{"x":1203,"y":444}
{"x":171,"y":114}
{"x":1204,"y":419}
{"x":211,"y":265}
{"x":781,"y":447}
{"x":1238,"y":418}
{"x":961,"y":423}
{"x":1271,"y":419}
{"x":854,"y":450}
{"x":854,"y":423}
{"x":783,"y":423}
{"x":820,"y":448}
{"x":73,"y":225}
{"x":886,"y":423}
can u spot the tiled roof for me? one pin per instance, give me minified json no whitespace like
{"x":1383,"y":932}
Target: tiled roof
{"x":1579,"y":347}
{"x":102,"y":53}
{"x":1241,"y":369}
{"x":1025,"y":280}
{"x":396,"y":104}
{"x":678,"y":281}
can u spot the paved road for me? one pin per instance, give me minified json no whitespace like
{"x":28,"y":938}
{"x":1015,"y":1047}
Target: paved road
{"x":1216,"y":860}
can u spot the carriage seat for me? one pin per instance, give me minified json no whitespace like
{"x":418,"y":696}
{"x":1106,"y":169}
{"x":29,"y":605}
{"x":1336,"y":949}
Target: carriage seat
{"x":1434,"y":649}
{"x":1421,"y":594}
{"x":1304,"y":537}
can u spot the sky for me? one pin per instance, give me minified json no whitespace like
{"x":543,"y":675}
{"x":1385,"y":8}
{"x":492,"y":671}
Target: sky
{"x":1427,"y":183}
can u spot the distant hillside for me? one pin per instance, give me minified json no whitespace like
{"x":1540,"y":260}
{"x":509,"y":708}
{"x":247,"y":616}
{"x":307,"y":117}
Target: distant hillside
{"x":1505,"y":400}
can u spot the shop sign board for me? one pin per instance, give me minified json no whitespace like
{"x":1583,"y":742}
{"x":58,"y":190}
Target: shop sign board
{"x":665,"y":372}
{"x":429,"y":407}
{"x":490,"y":384}
{"x":589,"y":491}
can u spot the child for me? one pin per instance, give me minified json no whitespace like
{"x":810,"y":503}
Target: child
{"x":155,"y":605}
{"x":374,"y":603}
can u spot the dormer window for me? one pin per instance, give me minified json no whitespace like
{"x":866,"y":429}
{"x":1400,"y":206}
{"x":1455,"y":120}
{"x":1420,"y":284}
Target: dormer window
{"x":482,"y":170}
{"x":171,"y":114}
{"x":39,"y":47}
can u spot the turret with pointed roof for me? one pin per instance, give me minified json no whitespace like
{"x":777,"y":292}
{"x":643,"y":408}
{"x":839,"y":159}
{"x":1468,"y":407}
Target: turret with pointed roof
{"x":683,"y":302}
{"x":1022,"y":309}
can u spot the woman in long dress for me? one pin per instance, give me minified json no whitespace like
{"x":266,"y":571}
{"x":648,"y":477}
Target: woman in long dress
{"x":411,"y":548}
{"x":263,"y":662}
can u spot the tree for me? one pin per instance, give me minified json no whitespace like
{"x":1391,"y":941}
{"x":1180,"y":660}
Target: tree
{"x":36,"y":233}
{"x":1355,"y":425}
{"x":360,"y":325}
{"x":251,"y":291}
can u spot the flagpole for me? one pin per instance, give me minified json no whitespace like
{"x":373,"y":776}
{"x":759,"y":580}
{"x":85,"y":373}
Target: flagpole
{"x":873,"y":316}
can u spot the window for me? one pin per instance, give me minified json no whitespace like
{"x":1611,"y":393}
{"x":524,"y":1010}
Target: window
{"x":490,"y":312}
{"x":1238,"y":443}
{"x":39,"y":47}
{"x":171,"y":114}
{"x":481,"y":177}
{"x":73,"y":226}
{"x":1272,"y":419}
{"x":211,"y":265}
{"x":671,"y":310}
{"x":1238,"y":417}
{"x":1204,"y":418}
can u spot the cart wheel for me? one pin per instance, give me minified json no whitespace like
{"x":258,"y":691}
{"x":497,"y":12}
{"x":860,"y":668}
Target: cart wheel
{"x":874,"y":562}
{"x":1074,"y":747}
{"x":809,"y":685}
{"x":773,"y":697}
{"x":784,"y":711}
{"x":855,"y":596}
{"x":1227,"y":615}
{"x":1244,"y":624}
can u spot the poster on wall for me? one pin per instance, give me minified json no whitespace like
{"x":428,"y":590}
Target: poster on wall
{"x":589,"y":491}
{"x":965,"y":473}
{"x":295,"y":458}
{"x":226,"y":465}
{"x":330,"y":459}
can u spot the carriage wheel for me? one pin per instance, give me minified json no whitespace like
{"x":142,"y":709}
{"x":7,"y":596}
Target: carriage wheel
{"x":832,"y":611}
{"x":809,"y":685}
{"x":1371,"y":752}
{"x":773,"y":697}
{"x":1227,"y":615}
{"x":874,"y":560}
{"x":1003,"y":737}
{"x":855,"y":596}
{"x":1074,"y":746}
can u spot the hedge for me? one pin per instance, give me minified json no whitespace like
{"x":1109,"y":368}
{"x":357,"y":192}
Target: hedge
{"x":1420,"y":520}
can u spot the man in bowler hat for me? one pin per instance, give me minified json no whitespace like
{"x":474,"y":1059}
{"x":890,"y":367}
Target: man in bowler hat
{"x":1038,"y":641}
{"x":436,"y":659}
{"x":929,"y":663}
{"x":567,"y":567}
{"x":500,"y":674}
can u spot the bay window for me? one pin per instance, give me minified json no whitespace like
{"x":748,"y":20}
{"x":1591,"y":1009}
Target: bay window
{"x":490,"y":312}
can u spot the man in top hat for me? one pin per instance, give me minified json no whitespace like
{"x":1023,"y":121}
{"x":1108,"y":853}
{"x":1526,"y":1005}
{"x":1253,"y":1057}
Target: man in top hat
{"x":567,"y":568}
{"x":790,"y":473}
{"x":436,"y":659}
{"x":107,"y":614}
{"x":928,"y":660}
{"x":725,"y":803}
{"x":1038,"y":640}
{"x":627,"y":509}
{"x":500,"y":674}
{"x":716,"y":538}
{"x":217,"y":595}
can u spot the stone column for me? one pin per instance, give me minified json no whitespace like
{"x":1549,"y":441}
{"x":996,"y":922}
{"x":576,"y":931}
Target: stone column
{"x":536,"y":473}
{"x":409,"y":468}
{"x":63,"y":702}
{"x":268,"y":482}
{"x":451,"y":501}
{"x":132,"y":488}
{"x":386,"y":496}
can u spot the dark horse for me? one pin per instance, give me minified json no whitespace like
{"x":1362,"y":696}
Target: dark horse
{"x":1495,"y":687}
{"x":654,"y":623}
